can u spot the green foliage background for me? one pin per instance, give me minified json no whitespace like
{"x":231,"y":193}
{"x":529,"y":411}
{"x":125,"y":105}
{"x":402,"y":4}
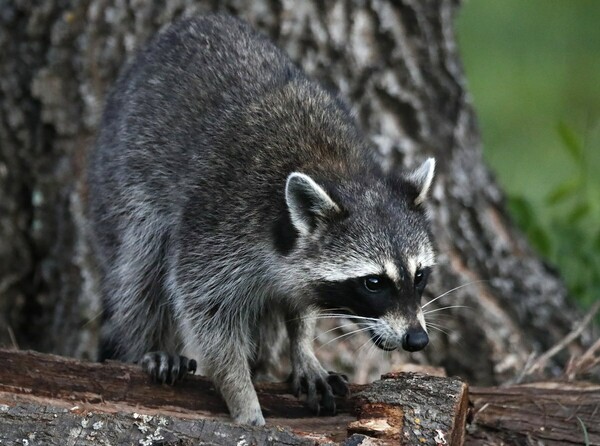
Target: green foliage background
{"x":534,"y":73}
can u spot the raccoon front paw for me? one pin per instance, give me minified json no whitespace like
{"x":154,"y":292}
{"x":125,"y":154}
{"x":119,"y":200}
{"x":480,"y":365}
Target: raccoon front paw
{"x":165,"y":368}
{"x":250,"y":419}
{"x":314,"y":384}
{"x":338,"y":383}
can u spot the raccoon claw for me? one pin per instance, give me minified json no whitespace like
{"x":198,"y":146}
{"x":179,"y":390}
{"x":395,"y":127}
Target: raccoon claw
{"x":326,"y":386}
{"x":165,"y":368}
{"x":338,"y":383}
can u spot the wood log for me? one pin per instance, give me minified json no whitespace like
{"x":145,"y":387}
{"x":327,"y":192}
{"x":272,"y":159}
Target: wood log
{"x":548,"y":413}
{"x":54,"y":400}
{"x":412,"y":408}
{"x":47,"y":399}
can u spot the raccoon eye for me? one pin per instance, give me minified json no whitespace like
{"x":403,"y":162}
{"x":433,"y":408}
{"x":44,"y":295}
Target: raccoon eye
{"x":374,"y":284}
{"x":421,"y":278}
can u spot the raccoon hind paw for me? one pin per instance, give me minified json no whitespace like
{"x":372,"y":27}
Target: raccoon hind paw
{"x":166,"y":368}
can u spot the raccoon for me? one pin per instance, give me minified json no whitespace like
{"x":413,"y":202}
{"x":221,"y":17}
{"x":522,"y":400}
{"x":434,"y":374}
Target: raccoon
{"x":230,"y":199}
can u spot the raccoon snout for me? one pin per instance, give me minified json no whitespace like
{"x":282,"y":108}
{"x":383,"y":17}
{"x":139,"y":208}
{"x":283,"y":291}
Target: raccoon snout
{"x":415,"y":339}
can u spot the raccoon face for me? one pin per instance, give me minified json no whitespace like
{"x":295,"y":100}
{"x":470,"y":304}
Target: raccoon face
{"x":392,"y":307}
{"x":367,"y":246}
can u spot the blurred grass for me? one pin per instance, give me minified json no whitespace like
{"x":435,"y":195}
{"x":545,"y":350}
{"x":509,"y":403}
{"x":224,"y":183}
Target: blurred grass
{"x":534,"y":72}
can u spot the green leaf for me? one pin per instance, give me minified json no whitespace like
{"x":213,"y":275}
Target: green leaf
{"x":563,"y":191}
{"x":522,"y":211}
{"x":540,"y":240}
{"x":570,"y":141}
{"x":597,"y":242}
{"x":586,"y":436}
{"x":579,"y":212}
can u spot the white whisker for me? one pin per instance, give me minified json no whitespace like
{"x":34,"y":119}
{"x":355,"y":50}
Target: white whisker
{"x":343,"y":336}
{"x":362,"y":346}
{"x":452,"y":290}
{"x":331,"y":316}
{"x":349,"y":316}
{"x":333,"y":329}
{"x":435,"y":327}
{"x":446,"y":308}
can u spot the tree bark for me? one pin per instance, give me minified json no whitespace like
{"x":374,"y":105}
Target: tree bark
{"x":549,"y":413}
{"x":395,"y":62}
{"x":49,"y":425}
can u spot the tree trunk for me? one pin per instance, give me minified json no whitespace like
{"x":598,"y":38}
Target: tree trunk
{"x":395,"y":62}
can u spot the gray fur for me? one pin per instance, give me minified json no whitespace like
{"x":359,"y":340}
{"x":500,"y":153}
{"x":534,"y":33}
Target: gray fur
{"x":198,"y":249}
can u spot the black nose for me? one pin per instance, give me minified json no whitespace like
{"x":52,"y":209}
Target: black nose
{"x":415,"y":339}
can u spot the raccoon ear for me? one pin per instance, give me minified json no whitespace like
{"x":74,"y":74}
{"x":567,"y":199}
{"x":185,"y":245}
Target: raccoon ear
{"x":307,"y":202}
{"x":421,"y":178}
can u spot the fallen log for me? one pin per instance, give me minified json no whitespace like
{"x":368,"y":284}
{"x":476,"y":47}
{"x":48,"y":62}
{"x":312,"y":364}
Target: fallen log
{"x":546,"y":413}
{"x":46,"y":399}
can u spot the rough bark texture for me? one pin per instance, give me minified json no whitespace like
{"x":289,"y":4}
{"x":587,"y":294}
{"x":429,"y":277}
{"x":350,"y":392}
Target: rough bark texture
{"x":49,"y":425}
{"x":395,"y":62}
{"x":548,"y":413}
{"x":46,"y":396}
{"x":413,"y":409}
